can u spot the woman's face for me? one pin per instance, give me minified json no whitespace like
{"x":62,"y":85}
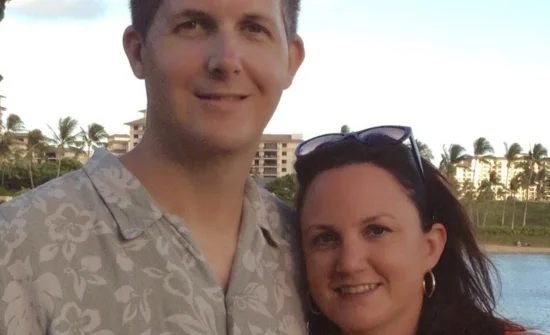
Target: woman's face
{"x":366,"y":254}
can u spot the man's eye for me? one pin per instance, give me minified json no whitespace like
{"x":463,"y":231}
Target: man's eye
{"x":192,"y":25}
{"x":255,"y":28}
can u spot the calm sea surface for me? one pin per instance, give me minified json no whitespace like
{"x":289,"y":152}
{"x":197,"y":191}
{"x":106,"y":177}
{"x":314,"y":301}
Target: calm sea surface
{"x":525,"y":291}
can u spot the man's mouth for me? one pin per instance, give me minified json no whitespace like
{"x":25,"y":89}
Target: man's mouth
{"x":220,"y":97}
{"x":356,"y":289}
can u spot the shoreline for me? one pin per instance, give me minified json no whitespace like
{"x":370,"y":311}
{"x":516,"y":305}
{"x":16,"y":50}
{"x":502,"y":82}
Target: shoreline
{"x":511,"y":249}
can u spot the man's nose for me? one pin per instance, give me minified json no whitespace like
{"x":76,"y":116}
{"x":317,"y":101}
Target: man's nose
{"x":352,"y":257}
{"x":224,"y":58}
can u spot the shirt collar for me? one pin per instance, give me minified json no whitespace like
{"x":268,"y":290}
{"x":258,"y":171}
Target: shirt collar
{"x":134,"y":210}
{"x":128,"y":201}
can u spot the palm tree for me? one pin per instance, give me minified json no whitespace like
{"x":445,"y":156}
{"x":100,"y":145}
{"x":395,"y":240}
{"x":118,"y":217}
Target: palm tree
{"x":534,"y":159}
{"x":511,"y":153}
{"x":37,"y":142}
{"x":539,"y":154}
{"x":424,"y":150}
{"x":515,"y":184}
{"x":13,"y":124}
{"x":449,"y":158}
{"x":482,"y":148}
{"x":541,"y":180}
{"x":64,"y":138}
{"x":93,"y":137}
{"x":344,"y":129}
{"x":3,"y":8}
{"x":486,"y":193}
{"x":468,"y":193}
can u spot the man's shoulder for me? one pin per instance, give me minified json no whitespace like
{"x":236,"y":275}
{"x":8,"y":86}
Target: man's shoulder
{"x":276,"y":203}
{"x":280,"y":216}
{"x":71,"y":189}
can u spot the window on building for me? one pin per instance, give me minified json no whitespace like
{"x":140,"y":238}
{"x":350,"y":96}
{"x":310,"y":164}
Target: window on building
{"x":270,"y":171}
{"x":270,"y":146}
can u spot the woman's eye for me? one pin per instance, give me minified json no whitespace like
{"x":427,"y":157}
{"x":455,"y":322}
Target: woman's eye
{"x":189,"y":25}
{"x":376,"y":231}
{"x":325,"y":239}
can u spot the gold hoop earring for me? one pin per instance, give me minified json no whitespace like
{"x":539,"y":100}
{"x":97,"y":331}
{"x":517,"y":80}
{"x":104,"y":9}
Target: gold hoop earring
{"x":432,"y":288}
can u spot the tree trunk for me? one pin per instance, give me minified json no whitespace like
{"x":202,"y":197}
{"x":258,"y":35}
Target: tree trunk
{"x":2,"y":174}
{"x":504,"y":209}
{"x":525,"y":215}
{"x":527,"y":196}
{"x":485,"y":217}
{"x":506,"y":193}
{"x":58,"y":167}
{"x":514,"y":213}
{"x":30,"y":176}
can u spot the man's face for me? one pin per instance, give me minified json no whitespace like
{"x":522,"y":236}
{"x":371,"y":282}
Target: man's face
{"x":215,"y":69}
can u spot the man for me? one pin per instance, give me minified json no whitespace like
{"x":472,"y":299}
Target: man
{"x":173,"y":238}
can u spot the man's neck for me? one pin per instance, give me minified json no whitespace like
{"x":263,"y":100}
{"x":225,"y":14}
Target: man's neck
{"x":205,"y":194}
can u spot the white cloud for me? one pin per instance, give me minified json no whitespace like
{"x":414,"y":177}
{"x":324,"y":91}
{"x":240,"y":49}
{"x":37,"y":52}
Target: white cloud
{"x":58,"y":9}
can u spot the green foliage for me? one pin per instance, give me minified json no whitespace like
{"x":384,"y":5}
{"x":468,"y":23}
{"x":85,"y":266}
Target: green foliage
{"x":424,"y":150}
{"x":284,"y":188}
{"x":537,"y":215}
{"x":517,"y":231}
{"x":345,"y":129}
{"x":4,"y":192}
{"x":17,"y":176}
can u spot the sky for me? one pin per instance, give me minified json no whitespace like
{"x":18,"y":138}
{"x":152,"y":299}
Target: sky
{"x":452,"y":70}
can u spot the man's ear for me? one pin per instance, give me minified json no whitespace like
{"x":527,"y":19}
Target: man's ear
{"x":296,"y":56}
{"x":133,"y":47}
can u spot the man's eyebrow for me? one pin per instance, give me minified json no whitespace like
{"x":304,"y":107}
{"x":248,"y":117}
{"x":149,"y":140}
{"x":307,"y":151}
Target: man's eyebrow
{"x":259,"y":18}
{"x":200,"y":14}
{"x":192,"y":14}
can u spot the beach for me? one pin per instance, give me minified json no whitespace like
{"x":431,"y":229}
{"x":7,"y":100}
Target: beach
{"x":511,"y":249}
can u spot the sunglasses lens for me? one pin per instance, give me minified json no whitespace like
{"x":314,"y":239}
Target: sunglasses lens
{"x":316,"y":142}
{"x":382,"y":135}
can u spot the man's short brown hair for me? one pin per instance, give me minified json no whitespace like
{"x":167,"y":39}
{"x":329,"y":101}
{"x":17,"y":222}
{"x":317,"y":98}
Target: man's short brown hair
{"x":143,"y":12}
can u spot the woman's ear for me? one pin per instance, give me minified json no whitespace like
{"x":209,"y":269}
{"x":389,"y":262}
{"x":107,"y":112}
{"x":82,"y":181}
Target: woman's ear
{"x":436,"y":239}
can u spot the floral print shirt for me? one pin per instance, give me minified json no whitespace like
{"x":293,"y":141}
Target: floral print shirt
{"x":91,"y":254}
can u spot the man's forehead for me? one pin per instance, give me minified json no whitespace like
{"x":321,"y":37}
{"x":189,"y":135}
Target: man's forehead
{"x":268,"y":8}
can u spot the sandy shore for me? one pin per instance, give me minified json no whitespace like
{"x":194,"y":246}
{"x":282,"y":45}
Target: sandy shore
{"x":509,"y":249}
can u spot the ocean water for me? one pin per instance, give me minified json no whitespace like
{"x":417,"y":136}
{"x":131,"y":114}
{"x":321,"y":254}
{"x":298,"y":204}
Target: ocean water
{"x":525,"y":290}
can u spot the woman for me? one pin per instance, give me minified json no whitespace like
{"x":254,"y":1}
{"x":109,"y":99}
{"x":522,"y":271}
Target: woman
{"x":387,"y":247}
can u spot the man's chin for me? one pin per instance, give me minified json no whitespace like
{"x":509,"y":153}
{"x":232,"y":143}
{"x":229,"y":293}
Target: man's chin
{"x":230,"y":144}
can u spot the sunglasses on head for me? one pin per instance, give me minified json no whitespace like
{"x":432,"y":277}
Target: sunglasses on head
{"x":382,"y":135}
